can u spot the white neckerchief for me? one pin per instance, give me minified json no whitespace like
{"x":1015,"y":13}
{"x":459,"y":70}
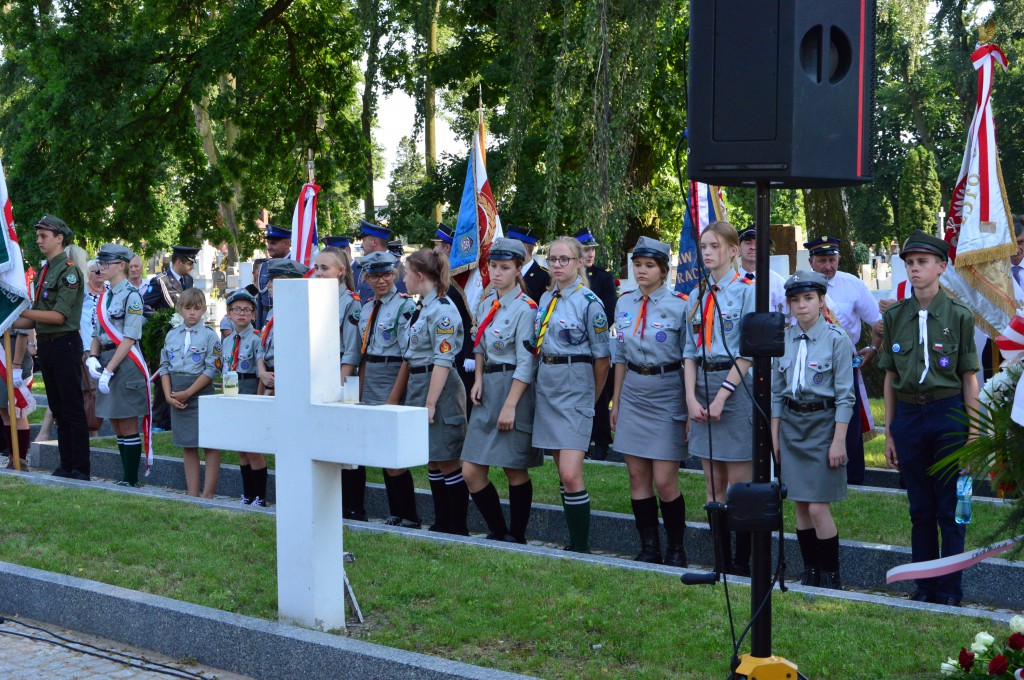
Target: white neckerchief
{"x":188,"y":339}
{"x":800,"y":367}
{"x":922,"y":334}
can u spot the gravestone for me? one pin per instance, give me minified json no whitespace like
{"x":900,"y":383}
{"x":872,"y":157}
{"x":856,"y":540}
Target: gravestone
{"x":312,"y":434}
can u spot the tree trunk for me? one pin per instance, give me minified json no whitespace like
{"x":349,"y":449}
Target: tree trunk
{"x":826,"y":214}
{"x":204,"y":125}
{"x":371,"y":28}
{"x":429,"y":113}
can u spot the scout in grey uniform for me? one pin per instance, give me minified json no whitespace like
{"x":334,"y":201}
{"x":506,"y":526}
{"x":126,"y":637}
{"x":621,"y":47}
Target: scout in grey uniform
{"x":189,"y":361}
{"x":719,"y":408}
{"x":433,"y":342}
{"x":382,"y":321}
{"x":277,"y":268}
{"x":572,"y":338}
{"x":123,"y":393}
{"x":501,"y":425}
{"x":812,"y":404}
{"x":649,"y":415}
{"x":240,"y":349}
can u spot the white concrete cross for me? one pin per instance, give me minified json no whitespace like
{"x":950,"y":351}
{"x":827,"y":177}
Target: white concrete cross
{"x":312,"y":434}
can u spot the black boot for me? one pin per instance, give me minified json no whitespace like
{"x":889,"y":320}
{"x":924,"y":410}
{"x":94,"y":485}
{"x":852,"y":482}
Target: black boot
{"x":458,"y":503}
{"x":489,"y":505}
{"x":520,"y":502}
{"x":405,"y":493}
{"x":394,"y":505}
{"x":645,"y":510}
{"x":828,"y":559}
{"x":809,"y":553}
{"x":439,"y":495}
{"x":674,"y":514}
{"x":353,"y":494}
{"x":741,"y":563}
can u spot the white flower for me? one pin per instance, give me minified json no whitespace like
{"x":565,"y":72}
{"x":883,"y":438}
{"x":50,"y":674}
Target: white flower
{"x":979,"y":648}
{"x":176,"y":320}
{"x":1017,"y":624}
{"x":949,"y":667}
{"x":984,"y":638}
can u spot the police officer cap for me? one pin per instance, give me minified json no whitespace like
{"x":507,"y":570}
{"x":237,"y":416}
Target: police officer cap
{"x":507,"y":249}
{"x":648,"y":247}
{"x":371,"y":229}
{"x":397,"y":247}
{"x":378,"y":262}
{"x":184,"y":253}
{"x":823,"y":245}
{"x":56,"y":225}
{"x":803,"y":281}
{"x":444,"y":234}
{"x":923,"y":242}
{"x":751,"y":232}
{"x":586,"y":238}
{"x":112,"y":252}
{"x":276,"y":233}
{"x":524,"y":234}
{"x":241,"y":295}
{"x":336,"y":241}
{"x":283,"y":268}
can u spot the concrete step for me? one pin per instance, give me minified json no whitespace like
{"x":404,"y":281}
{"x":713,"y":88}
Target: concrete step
{"x":993,"y":582}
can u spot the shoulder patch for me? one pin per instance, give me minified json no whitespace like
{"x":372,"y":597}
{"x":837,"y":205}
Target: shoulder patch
{"x":444,"y":301}
{"x":135,"y":304}
{"x":355,"y":295}
{"x":217,"y":349}
{"x":71,"y":280}
{"x":681,"y":296}
{"x":529,"y":300}
{"x":627,"y":292}
{"x":590,"y":296}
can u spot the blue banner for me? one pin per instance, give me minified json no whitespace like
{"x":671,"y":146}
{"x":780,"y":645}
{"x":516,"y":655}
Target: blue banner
{"x":466,"y":242}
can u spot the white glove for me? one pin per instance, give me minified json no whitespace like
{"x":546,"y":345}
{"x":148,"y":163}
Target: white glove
{"x":19,"y":381}
{"x":469,"y":365}
{"x":95,"y":370}
{"x":104,"y":385}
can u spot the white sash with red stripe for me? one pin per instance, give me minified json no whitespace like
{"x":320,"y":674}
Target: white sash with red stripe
{"x":135,"y":354}
{"x":949,"y":565}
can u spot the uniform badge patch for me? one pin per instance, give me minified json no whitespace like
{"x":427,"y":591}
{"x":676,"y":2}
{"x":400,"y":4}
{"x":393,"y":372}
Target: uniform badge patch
{"x":896,"y":347}
{"x":661,"y":336}
{"x":71,"y":279}
{"x":244,"y":365}
{"x":135,"y":306}
{"x":499,"y":345}
{"x":818,"y":377}
{"x":414,"y":340}
{"x":355,"y":314}
{"x":600,"y":320}
{"x":727,"y":325}
{"x":445,"y":347}
{"x":216,"y":349}
{"x":386,"y":335}
{"x":196,"y":358}
{"x":564,"y":334}
{"x":944,"y":362}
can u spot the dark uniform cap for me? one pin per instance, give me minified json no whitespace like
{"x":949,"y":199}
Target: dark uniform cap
{"x":802,"y":281}
{"x":241,"y":295}
{"x":56,"y":225}
{"x":507,"y":249}
{"x":923,"y":242}
{"x":524,"y":234}
{"x":371,"y":229}
{"x":336,"y":241}
{"x":283,"y":268}
{"x":823,"y":245}
{"x":184,"y":253}
{"x":276,"y":233}
{"x":751,"y":232}
{"x":396,"y":248}
{"x":111,"y":252}
{"x":648,"y":247}
{"x":378,"y":262}
{"x":444,"y":234}
{"x":586,"y":238}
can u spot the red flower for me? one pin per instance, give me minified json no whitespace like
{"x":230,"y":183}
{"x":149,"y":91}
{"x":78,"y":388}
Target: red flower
{"x":998,"y":665}
{"x":1016,"y":641}
{"x":966,"y":659}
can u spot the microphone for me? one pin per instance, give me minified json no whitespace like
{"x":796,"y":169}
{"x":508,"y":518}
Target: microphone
{"x":696,"y":579}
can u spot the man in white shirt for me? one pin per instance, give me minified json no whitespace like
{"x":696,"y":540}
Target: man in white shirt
{"x":748,"y":260}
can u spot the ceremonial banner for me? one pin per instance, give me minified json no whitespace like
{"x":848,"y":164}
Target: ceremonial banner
{"x":13,"y":289}
{"x":704,"y":206}
{"x":305,"y":239}
{"x":979,"y":229}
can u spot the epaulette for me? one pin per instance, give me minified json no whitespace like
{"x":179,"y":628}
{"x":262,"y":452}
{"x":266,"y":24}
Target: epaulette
{"x":405,"y":295}
{"x":747,"y":281}
{"x":538,"y":264}
{"x":259,"y":333}
{"x":681,"y":296}
{"x":590,"y":296}
{"x":900,"y":302}
{"x":355,"y":295}
{"x":444,"y":301}
{"x":837,"y":328}
{"x":529,"y":301}
{"x":959,"y":303}
{"x":627,"y":292}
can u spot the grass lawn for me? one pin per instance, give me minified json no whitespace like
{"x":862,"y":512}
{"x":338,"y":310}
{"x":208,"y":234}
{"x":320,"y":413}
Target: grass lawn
{"x":550,"y":618}
{"x":876,"y":518}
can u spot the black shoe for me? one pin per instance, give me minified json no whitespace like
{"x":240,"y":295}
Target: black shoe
{"x":569,"y":548}
{"x":949,"y":601}
{"x":650,"y":546}
{"x":60,"y":472}
{"x":811,"y":577}
{"x":353,"y":515}
{"x":24,"y":464}
{"x":738,"y":569}
{"x":437,"y":529}
{"x":75,"y":474}
{"x":675,"y":553}
{"x":393,"y":521}
{"x":830,"y":580}
{"x":409,"y":524}
{"x":128,"y":484}
{"x":598,"y":452}
{"x":920,"y":596}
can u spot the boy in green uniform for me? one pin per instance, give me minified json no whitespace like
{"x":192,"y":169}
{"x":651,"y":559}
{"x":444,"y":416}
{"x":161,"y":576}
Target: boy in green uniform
{"x":929,"y":360}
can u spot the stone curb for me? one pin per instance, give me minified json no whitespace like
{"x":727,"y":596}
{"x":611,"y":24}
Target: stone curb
{"x":864,"y":565}
{"x":230,"y":642}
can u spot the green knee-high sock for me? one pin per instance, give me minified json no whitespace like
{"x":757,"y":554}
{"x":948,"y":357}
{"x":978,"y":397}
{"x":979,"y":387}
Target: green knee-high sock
{"x":577,"y":516}
{"x":131,"y":451}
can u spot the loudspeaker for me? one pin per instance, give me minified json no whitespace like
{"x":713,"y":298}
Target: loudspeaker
{"x":781,"y":90}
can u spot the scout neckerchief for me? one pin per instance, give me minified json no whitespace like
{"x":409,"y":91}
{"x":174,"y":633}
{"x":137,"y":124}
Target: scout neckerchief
{"x":234,"y":352}
{"x":922,"y":339}
{"x":42,"y":281}
{"x":495,"y":306}
{"x":135,"y":354}
{"x":799,"y":377}
{"x":547,"y":314}
{"x":368,"y":331}
{"x":266,"y":332}
{"x":641,"y":318}
{"x":707,"y":329}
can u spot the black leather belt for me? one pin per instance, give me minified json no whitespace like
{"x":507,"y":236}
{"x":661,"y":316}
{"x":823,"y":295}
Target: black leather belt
{"x":712,"y":366}
{"x":810,"y":406}
{"x":653,"y":370}
{"x":498,"y":368}
{"x":379,"y":359}
{"x":414,"y":370}
{"x":44,"y":338}
{"x":567,"y":359}
{"x":107,"y":346}
{"x":244,"y":376}
{"x":927,"y":397}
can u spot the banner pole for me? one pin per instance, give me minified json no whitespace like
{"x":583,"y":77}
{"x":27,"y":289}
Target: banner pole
{"x":11,"y":407}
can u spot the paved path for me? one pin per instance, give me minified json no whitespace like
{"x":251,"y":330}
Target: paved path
{"x":22,"y":658}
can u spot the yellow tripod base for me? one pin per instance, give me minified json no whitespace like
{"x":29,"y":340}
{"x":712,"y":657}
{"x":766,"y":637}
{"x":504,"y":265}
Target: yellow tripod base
{"x":766,"y":668}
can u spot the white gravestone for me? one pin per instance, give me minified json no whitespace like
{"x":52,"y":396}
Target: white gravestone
{"x":313,"y":435}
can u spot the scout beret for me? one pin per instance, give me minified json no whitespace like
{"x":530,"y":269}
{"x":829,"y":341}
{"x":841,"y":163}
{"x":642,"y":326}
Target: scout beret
{"x":56,"y":225}
{"x":586,"y":238}
{"x":371,"y":229}
{"x":110,"y":252}
{"x":802,"y":281}
{"x":283,"y":268}
{"x":507,"y":249}
{"x":649,"y":247}
{"x":241,"y":295}
{"x":276,"y":233}
{"x":823,"y":245}
{"x":378,"y":262}
{"x":923,"y":242}
{"x":524,"y":234}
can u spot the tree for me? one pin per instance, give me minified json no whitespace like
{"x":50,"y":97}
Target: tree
{"x":826,"y":215}
{"x":920,"y":197}
{"x":407,"y":212}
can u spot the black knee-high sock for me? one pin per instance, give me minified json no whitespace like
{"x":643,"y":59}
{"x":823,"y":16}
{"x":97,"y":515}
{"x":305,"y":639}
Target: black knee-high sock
{"x":458,"y":502}
{"x":489,"y":505}
{"x":645,"y":512}
{"x":440,"y":497}
{"x":674,"y":513}
{"x":24,"y":441}
{"x":577,"y":516}
{"x":5,"y":441}
{"x":259,"y":484}
{"x":353,"y":490}
{"x":743,"y":547}
{"x":394,"y":505}
{"x":246,"y":472}
{"x":828,"y":553}
{"x":808,"y":547}
{"x":405,"y":493}
{"x":520,"y":502}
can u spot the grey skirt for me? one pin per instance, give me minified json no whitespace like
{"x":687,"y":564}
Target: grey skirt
{"x":248,"y":385}
{"x":448,"y":431}
{"x":185,"y":422}
{"x":485,"y":445}
{"x":804,"y":439}
{"x":378,"y":380}
{"x":128,"y":397}
{"x":565,"y":407}
{"x":652,"y":416}
{"x":732,"y":437}
{"x":26,"y":372}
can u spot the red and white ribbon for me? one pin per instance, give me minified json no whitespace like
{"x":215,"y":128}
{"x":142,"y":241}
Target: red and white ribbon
{"x":24,"y":400}
{"x":135,"y":354}
{"x":949,"y":565}
{"x":1011,"y":345}
{"x":305,"y":239}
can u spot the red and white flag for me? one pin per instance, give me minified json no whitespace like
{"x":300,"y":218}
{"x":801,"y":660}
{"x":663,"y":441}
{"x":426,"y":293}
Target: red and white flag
{"x":13,"y":294}
{"x":305,"y":239}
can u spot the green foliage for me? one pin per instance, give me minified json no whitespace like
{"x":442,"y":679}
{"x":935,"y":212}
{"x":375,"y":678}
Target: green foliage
{"x":407,"y":213}
{"x":154,"y":331}
{"x":871,"y":218}
{"x":920,"y":198}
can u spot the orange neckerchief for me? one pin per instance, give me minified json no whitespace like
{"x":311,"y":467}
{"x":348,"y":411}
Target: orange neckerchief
{"x":707,"y":330}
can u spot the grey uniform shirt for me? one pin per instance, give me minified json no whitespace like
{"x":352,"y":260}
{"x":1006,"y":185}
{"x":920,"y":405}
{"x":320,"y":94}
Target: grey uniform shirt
{"x":735,"y":298}
{"x":349,"y":308}
{"x":124,"y":309}
{"x":390,"y":324}
{"x":191,"y":350}
{"x":578,"y":324}
{"x":265,"y":350}
{"x":509,"y":337}
{"x":248,"y":346}
{"x":656,"y":338}
{"x":435,"y":333}
{"x":828,"y":369}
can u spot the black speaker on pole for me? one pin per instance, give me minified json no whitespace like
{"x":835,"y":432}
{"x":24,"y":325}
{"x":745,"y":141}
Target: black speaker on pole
{"x":781,"y":90}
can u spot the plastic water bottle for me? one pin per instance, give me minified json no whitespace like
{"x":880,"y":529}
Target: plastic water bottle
{"x":964,"y":491}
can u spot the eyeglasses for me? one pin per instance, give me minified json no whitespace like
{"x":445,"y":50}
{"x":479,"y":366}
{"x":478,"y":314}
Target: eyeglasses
{"x":560,"y":261}
{"x":104,"y":264}
{"x":240,"y":310}
{"x":97,"y":272}
{"x":380,"y":277}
